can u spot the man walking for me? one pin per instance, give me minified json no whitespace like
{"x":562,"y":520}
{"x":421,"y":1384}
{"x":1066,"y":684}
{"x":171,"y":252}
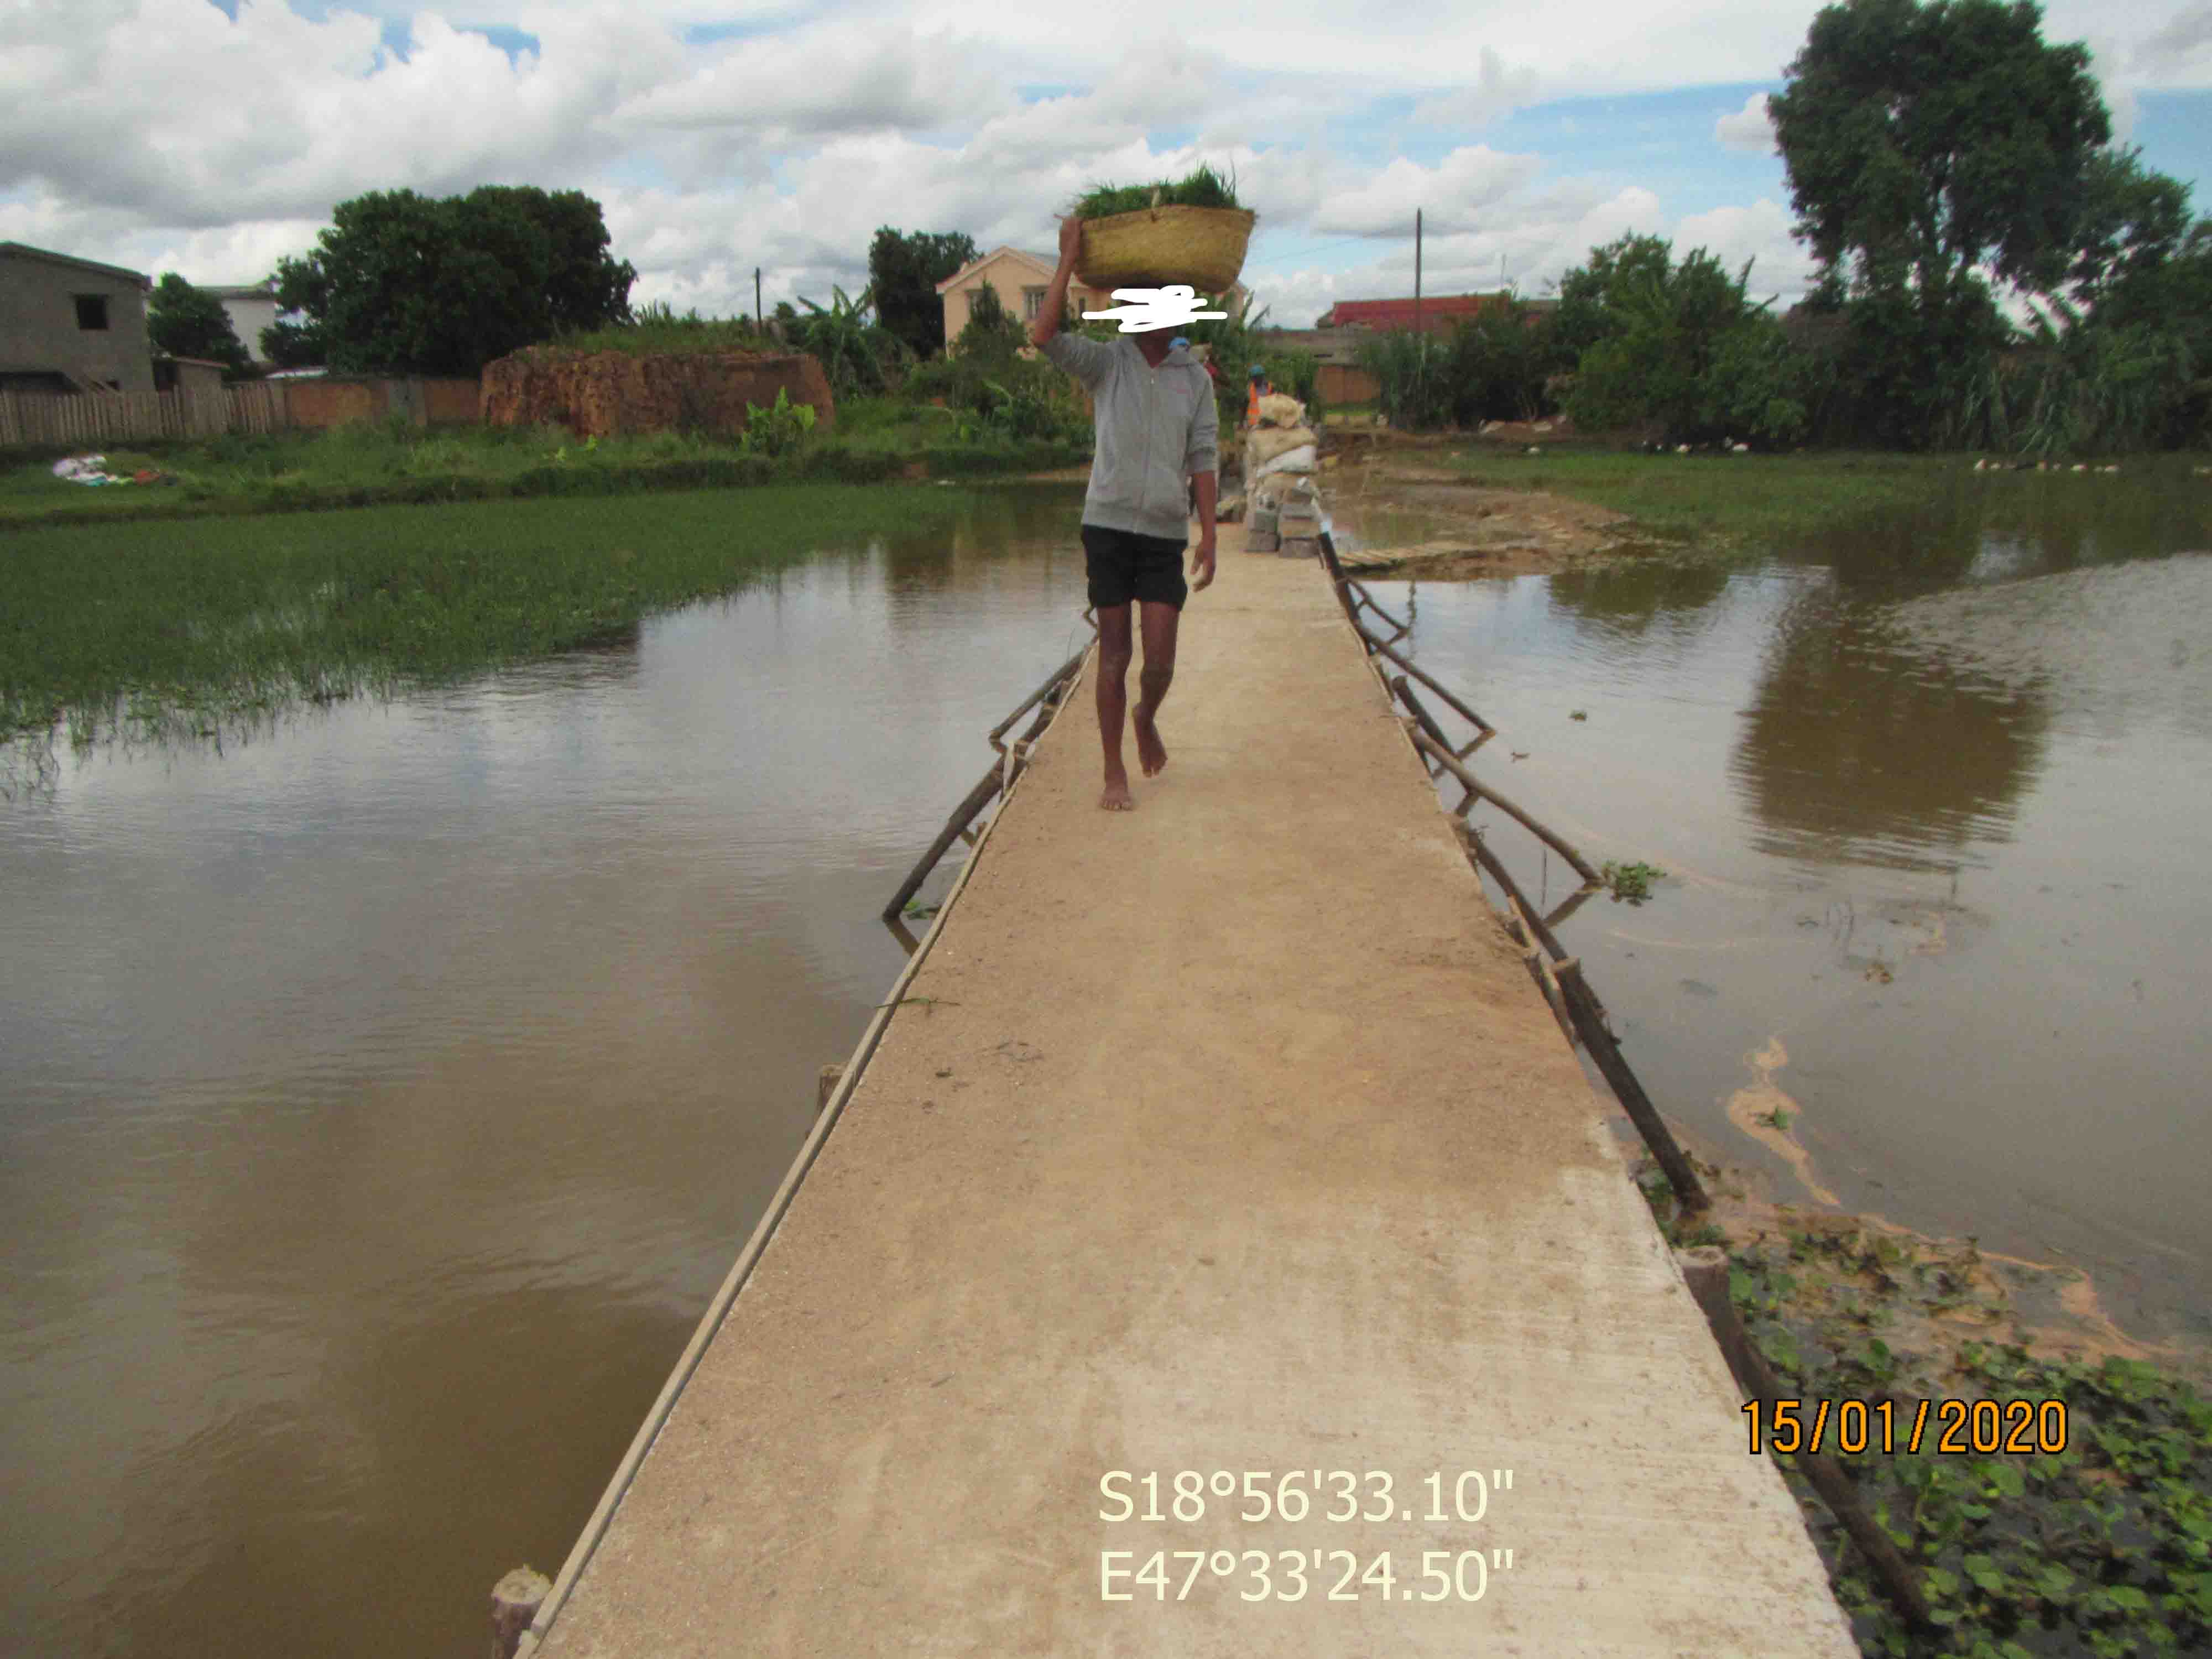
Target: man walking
{"x":1156,"y":427}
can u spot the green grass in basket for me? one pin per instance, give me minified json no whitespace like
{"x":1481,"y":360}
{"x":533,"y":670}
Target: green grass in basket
{"x":1204,"y":188}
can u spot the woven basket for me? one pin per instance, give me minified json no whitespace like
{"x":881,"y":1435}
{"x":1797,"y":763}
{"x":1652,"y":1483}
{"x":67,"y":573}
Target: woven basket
{"x":1155,"y":246}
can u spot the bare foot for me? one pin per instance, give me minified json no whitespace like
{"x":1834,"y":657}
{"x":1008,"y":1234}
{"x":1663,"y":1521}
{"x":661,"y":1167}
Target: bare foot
{"x":1118,"y":798}
{"x":1152,"y":753}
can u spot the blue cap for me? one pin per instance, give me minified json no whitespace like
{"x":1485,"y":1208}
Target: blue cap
{"x":1179,"y":340}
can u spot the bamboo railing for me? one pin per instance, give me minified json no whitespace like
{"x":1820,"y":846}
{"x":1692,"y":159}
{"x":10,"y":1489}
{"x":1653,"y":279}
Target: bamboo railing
{"x":1558,"y":976}
{"x":1000,"y":777}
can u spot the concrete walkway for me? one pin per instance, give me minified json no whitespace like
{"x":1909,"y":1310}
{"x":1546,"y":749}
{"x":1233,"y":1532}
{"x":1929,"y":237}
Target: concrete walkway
{"x":1201,"y":1144}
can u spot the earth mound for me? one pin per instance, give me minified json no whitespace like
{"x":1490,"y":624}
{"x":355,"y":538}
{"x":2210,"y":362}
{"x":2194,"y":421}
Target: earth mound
{"x":606,"y":393}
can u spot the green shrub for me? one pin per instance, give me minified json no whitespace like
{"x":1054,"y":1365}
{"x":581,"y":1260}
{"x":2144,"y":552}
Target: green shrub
{"x":777,"y":431}
{"x":658,"y":331}
{"x":1291,"y":371}
{"x":1412,"y":372}
{"x":1681,"y":349}
{"x":1755,"y":389}
{"x":840,"y":463}
{"x":1016,"y":398}
{"x":992,"y":335}
{"x":1503,"y":365}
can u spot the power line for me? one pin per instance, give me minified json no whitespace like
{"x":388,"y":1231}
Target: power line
{"x":1309,"y":252}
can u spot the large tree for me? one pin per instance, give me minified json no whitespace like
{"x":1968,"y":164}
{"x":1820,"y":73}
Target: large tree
{"x":1924,"y":141}
{"x":903,"y":272}
{"x":2134,"y":223}
{"x":184,"y":321}
{"x":410,"y":283}
{"x":293,"y":345}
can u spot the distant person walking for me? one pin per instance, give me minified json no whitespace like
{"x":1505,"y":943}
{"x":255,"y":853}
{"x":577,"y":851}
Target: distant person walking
{"x":1156,"y":425}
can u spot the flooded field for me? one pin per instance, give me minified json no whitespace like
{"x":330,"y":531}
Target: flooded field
{"x":388,"y":1092}
{"x":1930,"y":796}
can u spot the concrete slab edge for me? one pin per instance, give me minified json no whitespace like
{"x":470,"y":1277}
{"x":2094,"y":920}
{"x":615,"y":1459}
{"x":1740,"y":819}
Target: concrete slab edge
{"x":595,"y":1529}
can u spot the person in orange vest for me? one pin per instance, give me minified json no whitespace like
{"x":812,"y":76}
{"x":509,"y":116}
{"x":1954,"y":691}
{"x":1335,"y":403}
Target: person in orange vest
{"x":1259,"y":389}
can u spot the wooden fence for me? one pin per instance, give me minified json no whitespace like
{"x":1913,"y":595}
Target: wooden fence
{"x":1343,"y":383}
{"x":92,"y":419}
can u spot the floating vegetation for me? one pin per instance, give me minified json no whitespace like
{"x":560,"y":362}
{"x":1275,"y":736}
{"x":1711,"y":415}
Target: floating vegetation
{"x":1629,"y":881}
{"x":2089,"y":1532}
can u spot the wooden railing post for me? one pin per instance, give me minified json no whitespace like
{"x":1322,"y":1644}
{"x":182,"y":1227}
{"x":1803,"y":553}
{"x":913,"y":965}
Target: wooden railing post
{"x":514,"y":1602}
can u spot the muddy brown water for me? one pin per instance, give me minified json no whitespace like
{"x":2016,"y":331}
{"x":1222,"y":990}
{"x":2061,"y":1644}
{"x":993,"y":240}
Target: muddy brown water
{"x":387,"y":1093}
{"x":1930,"y":789}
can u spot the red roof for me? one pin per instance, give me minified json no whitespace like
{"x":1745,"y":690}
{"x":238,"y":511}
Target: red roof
{"x":1437,"y":311}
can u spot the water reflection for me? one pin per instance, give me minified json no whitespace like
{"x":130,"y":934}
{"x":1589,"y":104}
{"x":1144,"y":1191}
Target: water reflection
{"x":1633,"y":597}
{"x":1854,"y":747}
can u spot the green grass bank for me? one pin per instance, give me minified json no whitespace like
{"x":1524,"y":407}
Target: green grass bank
{"x":161,"y":629}
{"x":1722,"y":503}
{"x":398,"y":464}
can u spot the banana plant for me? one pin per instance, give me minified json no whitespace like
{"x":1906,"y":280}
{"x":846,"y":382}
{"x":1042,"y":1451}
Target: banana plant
{"x":856,"y":352}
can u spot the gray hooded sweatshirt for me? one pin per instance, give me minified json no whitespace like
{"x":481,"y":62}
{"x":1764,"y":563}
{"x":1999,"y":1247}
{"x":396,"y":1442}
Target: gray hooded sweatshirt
{"x":1156,"y":427}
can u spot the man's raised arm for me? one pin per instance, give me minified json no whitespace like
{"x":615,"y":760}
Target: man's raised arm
{"x":1047,"y":320}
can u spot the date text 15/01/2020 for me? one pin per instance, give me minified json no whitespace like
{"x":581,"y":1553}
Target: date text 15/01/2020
{"x":1962,"y":1428}
{"x":1338,"y":1495}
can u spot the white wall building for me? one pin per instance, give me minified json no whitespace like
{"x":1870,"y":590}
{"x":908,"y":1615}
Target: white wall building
{"x":252,"y":308}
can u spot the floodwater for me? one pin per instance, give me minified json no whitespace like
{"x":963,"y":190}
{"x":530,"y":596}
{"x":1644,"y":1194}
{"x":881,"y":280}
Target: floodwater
{"x":1931,"y":790}
{"x":386,"y":1097}
{"x":387,"y":1094}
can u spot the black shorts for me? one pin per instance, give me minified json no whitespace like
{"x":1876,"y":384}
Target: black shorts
{"x":1124,"y":566}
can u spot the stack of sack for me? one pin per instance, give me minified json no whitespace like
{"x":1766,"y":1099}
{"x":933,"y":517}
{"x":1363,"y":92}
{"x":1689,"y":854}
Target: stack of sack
{"x":1282,"y":443}
{"x":1285,"y":517}
{"x":1298,"y":519}
{"x":1280,"y":454}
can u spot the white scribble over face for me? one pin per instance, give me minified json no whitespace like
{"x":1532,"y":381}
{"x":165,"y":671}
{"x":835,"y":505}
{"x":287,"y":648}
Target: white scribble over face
{"x":1148,"y":308}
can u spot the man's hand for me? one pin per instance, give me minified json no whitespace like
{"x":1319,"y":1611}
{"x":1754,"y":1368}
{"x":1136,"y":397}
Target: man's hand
{"x":1201,"y":560}
{"x":1071,"y":241}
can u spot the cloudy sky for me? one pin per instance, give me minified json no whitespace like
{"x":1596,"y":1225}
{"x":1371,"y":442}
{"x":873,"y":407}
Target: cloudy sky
{"x":209,"y":136}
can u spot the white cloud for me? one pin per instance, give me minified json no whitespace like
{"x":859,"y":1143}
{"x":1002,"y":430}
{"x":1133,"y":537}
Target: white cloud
{"x":842,"y":78}
{"x":1495,"y":90}
{"x":2105,"y":57}
{"x":161,"y":135}
{"x":1450,"y":195}
{"x":283,"y":119}
{"x":2180,"y":50}
{"x":1750,"y":131}
{"x":1760,"y":232}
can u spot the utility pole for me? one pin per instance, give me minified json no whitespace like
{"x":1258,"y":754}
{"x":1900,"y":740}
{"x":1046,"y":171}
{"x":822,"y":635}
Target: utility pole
{"x":756,"y":305}
{"x":1417,"y":273}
